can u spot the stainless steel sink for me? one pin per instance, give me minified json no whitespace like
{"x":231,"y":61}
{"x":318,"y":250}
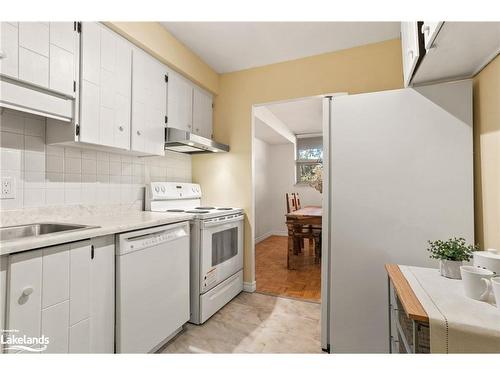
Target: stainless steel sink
{"x":39,"y":229}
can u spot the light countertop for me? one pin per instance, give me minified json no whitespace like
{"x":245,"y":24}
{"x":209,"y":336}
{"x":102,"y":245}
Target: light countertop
{"x":118,"y":222}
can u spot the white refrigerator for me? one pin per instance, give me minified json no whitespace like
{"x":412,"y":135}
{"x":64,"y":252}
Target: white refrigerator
{"x":398,"y":171}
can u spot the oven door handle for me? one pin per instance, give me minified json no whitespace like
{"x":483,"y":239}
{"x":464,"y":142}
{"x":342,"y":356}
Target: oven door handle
{"x":210,"y":224}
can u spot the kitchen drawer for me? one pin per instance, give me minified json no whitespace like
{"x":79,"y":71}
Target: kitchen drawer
{"x":405,"y":329}
{"x":214,"y":299}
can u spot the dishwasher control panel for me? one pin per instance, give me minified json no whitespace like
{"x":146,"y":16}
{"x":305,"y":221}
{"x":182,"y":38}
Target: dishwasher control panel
{"x":143,"y":239}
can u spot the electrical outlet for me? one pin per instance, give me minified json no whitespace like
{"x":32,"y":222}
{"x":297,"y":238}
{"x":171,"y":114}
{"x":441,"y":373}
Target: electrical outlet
{"x":8,"y":188}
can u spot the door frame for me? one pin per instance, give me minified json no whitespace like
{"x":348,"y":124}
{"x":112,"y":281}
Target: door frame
{"x":325,"y":259}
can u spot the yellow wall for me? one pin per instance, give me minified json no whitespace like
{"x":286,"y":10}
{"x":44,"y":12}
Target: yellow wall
{"x":487,"y":154}
{"x":153,"y":38}
{"x":226,"y":178}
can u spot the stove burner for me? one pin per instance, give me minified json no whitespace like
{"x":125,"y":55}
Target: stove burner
{"x":225,"y":208}
{"x":175,"y":210}
{"x":204,"y":208}
{"x":197,"y":211}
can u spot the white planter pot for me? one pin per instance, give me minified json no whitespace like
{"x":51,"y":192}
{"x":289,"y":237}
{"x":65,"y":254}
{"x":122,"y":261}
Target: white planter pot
{"x":450,"y":268}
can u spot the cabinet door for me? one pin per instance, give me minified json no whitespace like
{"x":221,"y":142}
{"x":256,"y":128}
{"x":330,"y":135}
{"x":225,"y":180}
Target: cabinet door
{"x":149,"y":104}
{"x":202,"y":113}
{"x":410,"y":49}
{"x":90,"y":83}
{"x":25,"y":293}
{"x":3,"y":293}
{"x":180,"y":102}
{"x":79,"y":338}
{"x":55,"y":327}
{"x":9,"y":49}
{"x":79,"y":282}
{"x":106,"y":87}
{"x":63,"y":42}
{"x":34,"y":53}
{"x":102,"y":295}
{"x":430,"y":29}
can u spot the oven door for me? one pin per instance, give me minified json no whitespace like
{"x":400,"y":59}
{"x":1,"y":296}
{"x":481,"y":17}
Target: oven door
{"x":221,"y":250}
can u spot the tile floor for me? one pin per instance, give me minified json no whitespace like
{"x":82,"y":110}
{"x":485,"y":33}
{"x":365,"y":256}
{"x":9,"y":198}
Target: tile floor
{"x":254,"y":323}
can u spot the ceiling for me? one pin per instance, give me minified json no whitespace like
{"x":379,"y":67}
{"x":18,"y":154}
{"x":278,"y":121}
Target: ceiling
{"x":300,"y":116}
{"x":232,"y":46}
{"x":303,"y":116}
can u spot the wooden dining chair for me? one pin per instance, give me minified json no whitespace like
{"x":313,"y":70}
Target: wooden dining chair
{"x":297,"y":201}
{"x":291,"y":205}
{"x":300,"y":232}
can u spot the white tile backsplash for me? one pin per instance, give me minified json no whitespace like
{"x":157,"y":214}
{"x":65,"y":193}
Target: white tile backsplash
{"x":48,"y":175}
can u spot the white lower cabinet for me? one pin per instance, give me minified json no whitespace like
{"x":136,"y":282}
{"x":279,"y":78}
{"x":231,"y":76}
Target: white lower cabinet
{"x":65,"y":293}
{"x":79,"y":337}
{"x":53,"y":319}
{"x":3,"y":293}
{"x":102,"y":296}
{"x":24,"y":304}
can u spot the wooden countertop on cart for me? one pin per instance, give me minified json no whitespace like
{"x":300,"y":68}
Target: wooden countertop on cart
{"x":408,"y":299}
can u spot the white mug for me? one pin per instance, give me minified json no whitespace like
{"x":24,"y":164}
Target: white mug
{"x":495,"y":284}
{"x":476,"y":282}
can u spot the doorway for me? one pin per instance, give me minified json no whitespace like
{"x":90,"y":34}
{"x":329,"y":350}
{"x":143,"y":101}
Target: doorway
{"x":287,"y":165}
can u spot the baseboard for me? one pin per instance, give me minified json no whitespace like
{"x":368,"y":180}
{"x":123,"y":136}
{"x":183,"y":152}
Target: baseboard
{"x":263,"y":237}
{"x":249,"y":287}
{"x":269,"y":234}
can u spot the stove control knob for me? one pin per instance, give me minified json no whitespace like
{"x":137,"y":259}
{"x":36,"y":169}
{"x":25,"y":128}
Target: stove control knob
{"x":163,"y":189}
{"x":157,"y":189}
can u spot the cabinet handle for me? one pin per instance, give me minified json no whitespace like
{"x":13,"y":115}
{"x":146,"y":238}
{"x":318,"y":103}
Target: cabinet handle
{"x":189,"y":126}
{"x":3,"y":55}
{"x":138,"y":132}
{"x":120,"y":128}
{"x":27,"y":291}
{"x":410,"y":54}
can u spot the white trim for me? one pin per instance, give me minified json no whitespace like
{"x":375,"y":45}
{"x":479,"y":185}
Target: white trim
{"x":281,"y":233}
{"x":249,"y":287}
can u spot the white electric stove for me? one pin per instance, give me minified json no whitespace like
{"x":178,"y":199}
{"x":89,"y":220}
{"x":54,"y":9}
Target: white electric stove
{"x":216,"y":260}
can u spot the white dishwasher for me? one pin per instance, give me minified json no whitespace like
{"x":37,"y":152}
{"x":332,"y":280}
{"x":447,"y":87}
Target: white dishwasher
{"x":152,"y":287}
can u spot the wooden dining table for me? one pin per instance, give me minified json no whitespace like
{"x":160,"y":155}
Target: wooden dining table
{"x":296,"y":221}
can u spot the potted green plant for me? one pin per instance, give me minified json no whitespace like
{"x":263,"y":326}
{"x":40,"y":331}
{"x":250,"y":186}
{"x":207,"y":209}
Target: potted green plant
{"x":451,"y":254}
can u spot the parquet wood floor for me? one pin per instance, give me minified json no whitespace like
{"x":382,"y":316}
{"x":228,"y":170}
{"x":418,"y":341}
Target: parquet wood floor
{"x":272,"y":276}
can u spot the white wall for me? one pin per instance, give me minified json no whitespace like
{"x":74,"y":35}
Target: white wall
{"x":275,"y":176}
{"x":54,"y":175}
{"x":263,"y":197}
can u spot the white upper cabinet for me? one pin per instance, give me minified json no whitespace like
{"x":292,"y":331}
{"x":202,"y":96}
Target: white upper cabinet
{"x":180,"y":102}
{"x":410,"y":49}
{"x":9,"y":45}
{"x":42,"y":60}
{"x":202,"y":113}
{"x":430,"y":30}
{"x":455,"y":50}
{"x":105,"y":102}
{"x":149,"y":104}
{"x":40,"y":53}
{"x":189,"y":107}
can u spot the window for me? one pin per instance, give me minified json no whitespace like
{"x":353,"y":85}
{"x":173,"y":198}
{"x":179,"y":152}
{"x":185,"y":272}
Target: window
{"x":309,"y":159}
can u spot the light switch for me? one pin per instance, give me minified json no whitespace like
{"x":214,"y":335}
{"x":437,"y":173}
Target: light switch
{"x":8,"y":188}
